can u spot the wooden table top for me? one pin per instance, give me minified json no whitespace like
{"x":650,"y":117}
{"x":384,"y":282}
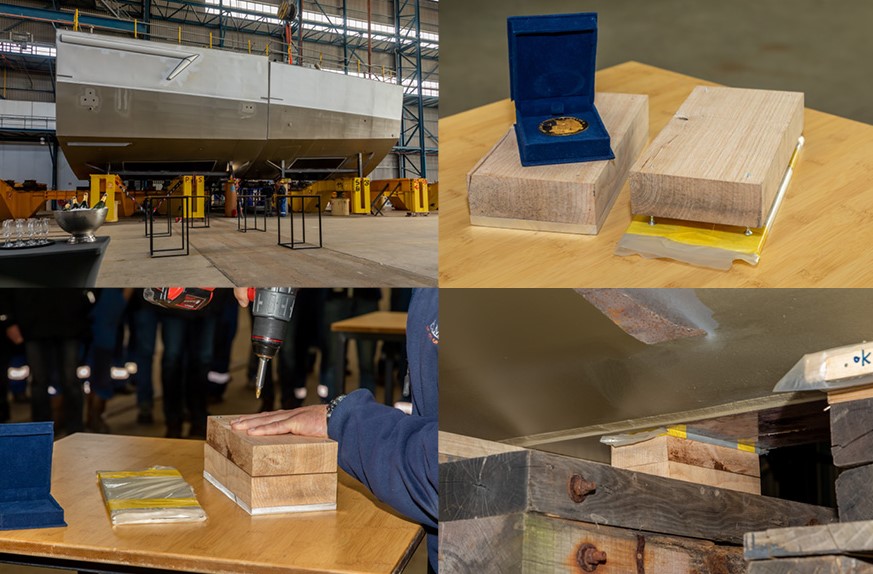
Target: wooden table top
{"x":820,"y":238}
{"x":362,"y":535}
{"x":377,"y":322}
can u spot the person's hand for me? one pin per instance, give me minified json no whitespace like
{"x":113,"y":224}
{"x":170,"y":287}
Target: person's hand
{"x":305,"y":421}
{"x":14,"y":334}
{"x":242,"y":295}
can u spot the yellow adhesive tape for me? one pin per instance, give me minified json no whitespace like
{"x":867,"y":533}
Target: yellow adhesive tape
{"x":726,"y":237}
{"x":128,"y":503}
{"x":140,"y":473}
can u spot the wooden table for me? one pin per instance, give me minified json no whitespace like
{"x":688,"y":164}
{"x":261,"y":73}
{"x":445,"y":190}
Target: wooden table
{"x":362,"y":535}
{"x":820,"y":238}
{"x":58,"y":265}
{"x":378,"y":326}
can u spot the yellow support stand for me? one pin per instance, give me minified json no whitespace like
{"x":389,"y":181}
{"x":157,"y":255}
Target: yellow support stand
{"x":109,"y":184}
{"x":360,"y":187}
{"x":192,"y":186}
{"x":416,"y":197}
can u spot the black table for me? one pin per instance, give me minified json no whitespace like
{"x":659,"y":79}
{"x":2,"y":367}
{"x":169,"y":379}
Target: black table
{"x":57,"y":265}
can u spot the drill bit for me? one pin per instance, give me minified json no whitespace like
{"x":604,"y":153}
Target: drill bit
{"x":259,"y":377}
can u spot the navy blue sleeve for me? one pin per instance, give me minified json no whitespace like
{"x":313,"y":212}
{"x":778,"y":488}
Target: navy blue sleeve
{"x":393,"y":454}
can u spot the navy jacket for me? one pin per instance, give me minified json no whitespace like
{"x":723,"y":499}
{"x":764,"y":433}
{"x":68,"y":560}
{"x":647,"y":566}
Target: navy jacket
{"x":393,"y":454}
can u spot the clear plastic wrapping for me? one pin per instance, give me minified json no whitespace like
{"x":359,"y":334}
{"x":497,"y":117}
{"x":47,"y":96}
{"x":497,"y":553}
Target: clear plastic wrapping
{"x":156,"y":495}
{"x":839,"y":368}
{"x":679,"y":431}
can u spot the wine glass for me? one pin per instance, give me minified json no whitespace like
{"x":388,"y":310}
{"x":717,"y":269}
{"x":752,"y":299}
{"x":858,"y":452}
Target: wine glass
{"x":30,"y":226}
{"x":19,"y":232}
{"x":7,"y":232}
{"x":44,"y":230}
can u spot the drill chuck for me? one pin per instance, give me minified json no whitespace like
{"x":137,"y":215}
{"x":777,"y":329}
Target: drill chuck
{"x":272,"y":308}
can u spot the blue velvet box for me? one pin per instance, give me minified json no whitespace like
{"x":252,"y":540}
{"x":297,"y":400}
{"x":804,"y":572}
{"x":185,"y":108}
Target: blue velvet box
{"x":26,"y":476}
{"x":551,"y":73}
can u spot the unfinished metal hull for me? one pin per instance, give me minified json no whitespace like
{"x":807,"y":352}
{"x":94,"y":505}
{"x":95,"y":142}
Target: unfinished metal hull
{"x":141,"y":108}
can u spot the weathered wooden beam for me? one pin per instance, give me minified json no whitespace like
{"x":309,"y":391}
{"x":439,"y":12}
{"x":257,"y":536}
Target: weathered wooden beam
{"x":521,"y":543}
{"x":852,"y":433}
{"x":855,"y":494}
{"x":812,"y":565}
{"x":841,"y":538}
{"x":533,"y":481}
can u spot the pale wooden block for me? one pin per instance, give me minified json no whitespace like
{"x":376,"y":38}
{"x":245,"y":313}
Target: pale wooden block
{"x":721,"y":158}
{"x":850,"y":394}
{"x":456,"y":447}
{"x":263,"y":494}
{"x":701,"y":475}
{"x":689,"y":452}
{"x":271,"y":455}
{"x":568,"y":198}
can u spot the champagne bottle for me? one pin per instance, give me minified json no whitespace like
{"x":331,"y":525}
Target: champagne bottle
{"x":102,"y":203}
{"x":68,"y":206}
{"x":74,"y":204}
{"x":84,"y":204}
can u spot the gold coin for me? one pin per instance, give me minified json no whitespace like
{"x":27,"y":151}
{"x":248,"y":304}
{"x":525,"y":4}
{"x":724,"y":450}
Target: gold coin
{"x":564,"y":126}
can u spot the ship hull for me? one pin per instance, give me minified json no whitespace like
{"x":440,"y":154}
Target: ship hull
{"x":145,"y":109}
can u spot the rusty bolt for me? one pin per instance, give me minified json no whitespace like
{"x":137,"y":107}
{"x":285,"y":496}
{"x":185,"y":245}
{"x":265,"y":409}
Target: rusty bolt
{"x":589,"y":557}
{"x":579,"y":488}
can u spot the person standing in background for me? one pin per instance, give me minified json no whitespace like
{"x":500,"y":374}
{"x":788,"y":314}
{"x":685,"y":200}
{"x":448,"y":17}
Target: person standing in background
{"x":52,"y":324}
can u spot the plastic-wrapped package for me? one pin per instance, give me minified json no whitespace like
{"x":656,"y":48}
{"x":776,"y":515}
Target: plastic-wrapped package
{"x":702,"y":244}
{"x":156,"y":495}
{"x":839,"y":368}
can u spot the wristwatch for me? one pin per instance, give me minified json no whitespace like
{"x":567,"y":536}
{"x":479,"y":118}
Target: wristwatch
{"x":333,"y":404}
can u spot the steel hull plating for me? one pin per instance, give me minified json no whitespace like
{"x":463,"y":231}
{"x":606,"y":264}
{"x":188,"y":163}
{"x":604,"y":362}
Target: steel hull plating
{"x":138,"y":108}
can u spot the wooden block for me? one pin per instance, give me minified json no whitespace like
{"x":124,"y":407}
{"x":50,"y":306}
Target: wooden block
{"x":842,"y":538}
{"x":532,"y":481}
{"x":457,"y":447}
{"x":852,"y":433}
{"x":701,"y":475}
{"x":568,"y":198}
{"x":521,"y":543}
{"x":855,"y":494}
{"x":689,"y":452}
{"x":721,"y":158}
{"x":271,"y":455}
{"x":269,"y":494}
{"x":812,"y":565}
{"x":850,"y":394}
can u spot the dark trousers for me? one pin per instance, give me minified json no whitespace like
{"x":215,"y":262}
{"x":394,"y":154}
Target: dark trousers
{"x":188,"y":344}
{"x":145,"y":321}
{"x":60,"y":356}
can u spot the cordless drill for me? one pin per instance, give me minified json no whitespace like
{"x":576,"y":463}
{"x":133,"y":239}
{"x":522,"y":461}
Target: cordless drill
{"x":271,"y":307}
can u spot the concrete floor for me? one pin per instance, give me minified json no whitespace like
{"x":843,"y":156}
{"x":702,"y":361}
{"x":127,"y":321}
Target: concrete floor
{"x":814,"y":46}
{"x":121,"y":414}
{"x":359,"y":251}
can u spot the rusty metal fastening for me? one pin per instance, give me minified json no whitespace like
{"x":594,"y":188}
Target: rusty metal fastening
{"x":579,"y":488}
{"x":589,"y":557}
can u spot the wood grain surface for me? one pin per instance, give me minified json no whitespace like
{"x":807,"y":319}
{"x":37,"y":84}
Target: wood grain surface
{"x":457,"y":447}
{"x":569,"y":197}
{"x":264,"y":493}
{"x":387,"y":322}
{"x":812,"y":565}
{"x":843,"y":538}
{"x":852,"y":432}
{"x":270,"y":455}
{"x":820,"y":238}
{"x":537,"y":481}
{"x":363,"y":535}
{"x":721,"y":158}
{"x":855,"y":494}
{"x":850,"y":394}
{"x":701,"y":475}
{"x":533,"y":543}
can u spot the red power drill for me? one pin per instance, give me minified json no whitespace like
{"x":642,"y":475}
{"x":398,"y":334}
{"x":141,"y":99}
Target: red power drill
{"x":271,"y":308}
